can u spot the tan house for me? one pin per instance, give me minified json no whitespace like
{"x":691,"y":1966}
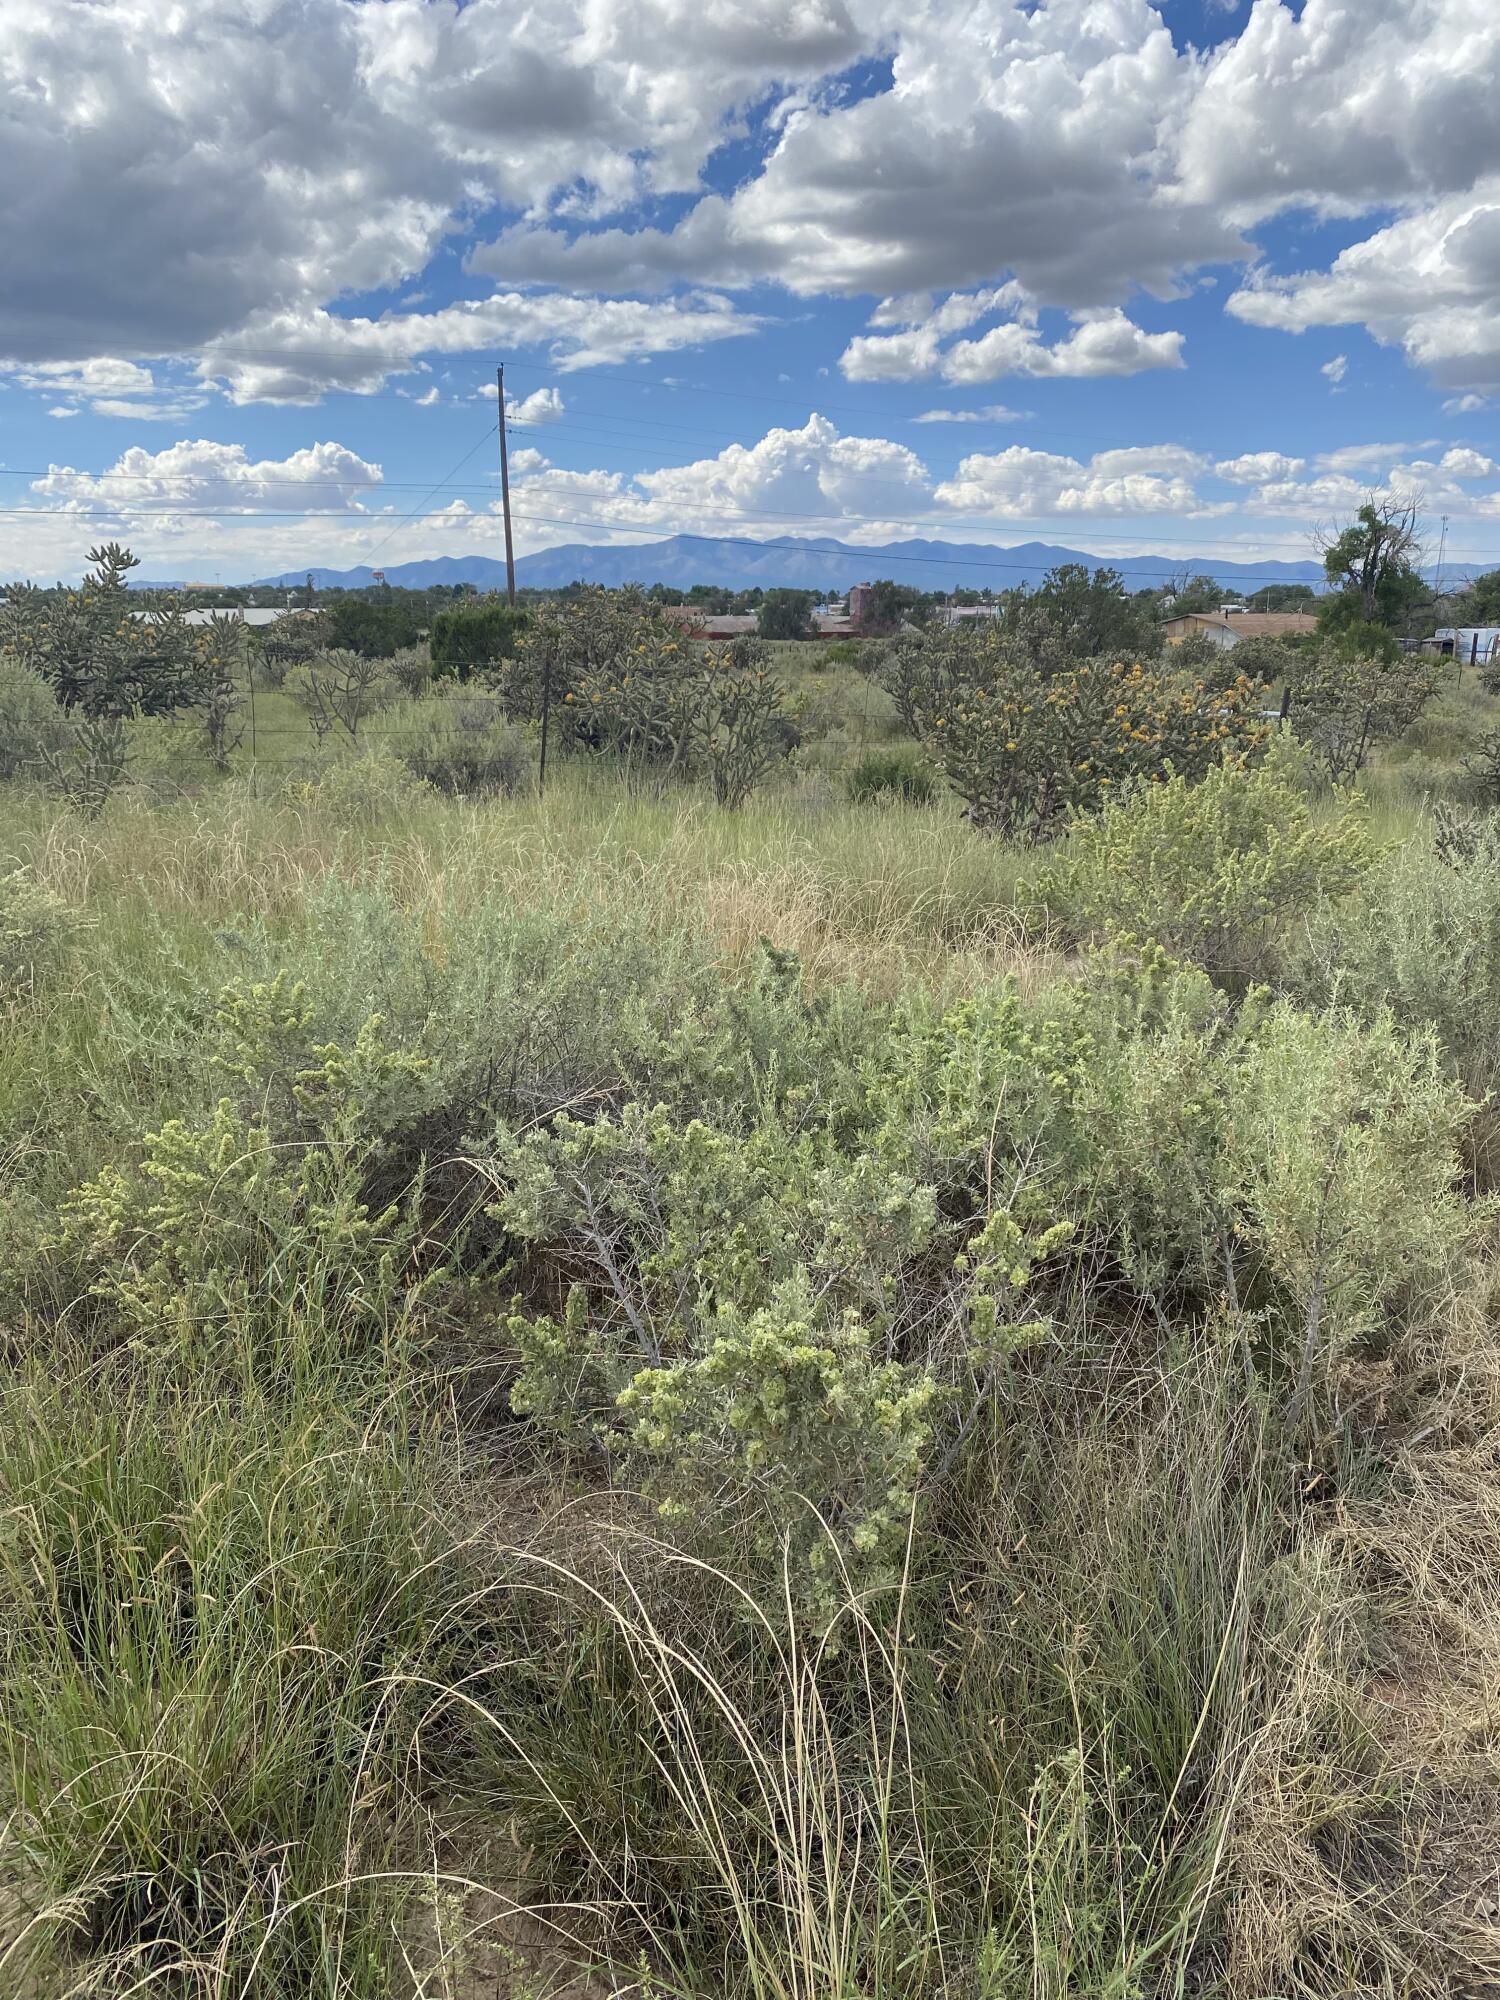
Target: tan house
{"x":1228,"y":625}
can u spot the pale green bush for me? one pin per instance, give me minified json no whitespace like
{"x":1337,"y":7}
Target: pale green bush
{"x":1303,"y":1166}
{"x":1342,"y":1167}
{"x":459,"y":743}
{"x":357,"y":790}
{"x":1216,"y":872}
{"x":775,"y":1329}
{"x":252,"y":1228}
{"x":37,"y":934}
{"x":1423,"y":942}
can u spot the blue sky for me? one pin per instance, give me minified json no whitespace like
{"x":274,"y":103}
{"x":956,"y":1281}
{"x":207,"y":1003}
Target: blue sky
{"x":1186,"y":277}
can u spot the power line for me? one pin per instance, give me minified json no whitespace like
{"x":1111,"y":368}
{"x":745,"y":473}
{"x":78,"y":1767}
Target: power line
{"x":436,"y":487}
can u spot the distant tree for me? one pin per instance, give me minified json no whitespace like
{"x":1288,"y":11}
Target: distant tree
{"x":1342,"y":626}
{"x":1374,"y":562}
{"x":1198,"y":593}
{"x":1086,"y":615}
{"x":1282,"y":597}
{"x":786,"y":614}
{"x":474,"y":635}
{"x":372,"y":627}
{"x":1478,"y":603}
{"x":891,"y":604}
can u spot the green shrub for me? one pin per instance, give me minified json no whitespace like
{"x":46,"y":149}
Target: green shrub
{"x":460,"y":744}
{"x":1026,"y":741}
{"x":362,"y":789}
{"x":366,"y":626}
{"x":475,"y":635}
{"x":891,"y":774}
{"x":1305,"y":1166}
{"x":252,"y":1229}
{"x":1198,"y":655}
{"x":32,"y":726}
{"x":411,"y":670}
{"x":1263,"y":658}
{"x":1216,"y":872}
{"x":1423,"y":942}
{"x":771,"y":1323}
{"x":1344,"y":705}
{"x":37,"y":932}
{"x":1344,"y":1159}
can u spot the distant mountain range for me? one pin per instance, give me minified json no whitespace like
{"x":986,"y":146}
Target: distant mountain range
{"x":822,"y":565}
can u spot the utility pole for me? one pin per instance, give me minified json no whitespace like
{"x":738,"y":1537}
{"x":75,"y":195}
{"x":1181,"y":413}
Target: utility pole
{"x":510,"y":575}
{"x":510,"y":559}
{"x":541,"y":769}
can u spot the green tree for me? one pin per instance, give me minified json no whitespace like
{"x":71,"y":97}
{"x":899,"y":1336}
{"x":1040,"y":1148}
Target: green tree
{"x":372,"y":627}
{"x":786,"y":614}
{"x":1478,"y":603}
{"x":1085,"y":614}
{"x":1199,"y":593}
{"x":475,"y":635}
{"x":890,"y":605}
{"x":1283,"y":597}
{"x":1374,"y":562}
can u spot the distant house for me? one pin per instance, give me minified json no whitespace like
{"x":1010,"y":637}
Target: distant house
{"x":1229,"y":624}
{"x":861,"y":603}
{"x":735,"y":624}
{"x":712,"y":624}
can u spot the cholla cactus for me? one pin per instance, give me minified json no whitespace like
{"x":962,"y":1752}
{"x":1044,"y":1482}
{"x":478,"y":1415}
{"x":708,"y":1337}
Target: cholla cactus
{"x":97,"y":656}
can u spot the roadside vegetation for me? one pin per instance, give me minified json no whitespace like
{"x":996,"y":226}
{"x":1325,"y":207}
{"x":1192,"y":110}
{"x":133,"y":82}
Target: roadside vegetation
{"x":847,"y":1356}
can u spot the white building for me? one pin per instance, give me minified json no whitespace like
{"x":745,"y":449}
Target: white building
{"x":242,"y":614}
{"x":962,"y":614}
{"x":1469,"y":642}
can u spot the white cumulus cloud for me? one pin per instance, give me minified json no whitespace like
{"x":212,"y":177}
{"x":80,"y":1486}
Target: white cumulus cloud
{"x":1103,"y":343}
{"x":1142,"y":479}
{"x":199,"y":474}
